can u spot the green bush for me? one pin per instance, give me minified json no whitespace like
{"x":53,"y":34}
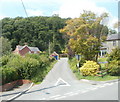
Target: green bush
{"x":113,"y":65}
{"x":114,"y":55}
{"x":34,"y":56}
{"x":45,"y":60}
{"x":113,"y":68}
{"x":8,"y":75}
{"x":4,"y":60}
{"x":89,"y":68}
{"x":16,"y":67}
{"x":25,"y":66}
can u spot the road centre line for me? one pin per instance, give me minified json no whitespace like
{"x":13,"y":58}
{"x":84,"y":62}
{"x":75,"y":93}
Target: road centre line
{"x":73,"y":94}
{"x":102,"y":85}
{"x":42,"y":98}
{"x":107,"y":84}
{"x":89,"y":88}
{"x":60,"y":97}
{"x":110,"y":84}
{"x":79,"y":91}
{"x":93,"y":88}
{"x":68,"y":93}
{"x":55,"y":96}
{"x":84,"y":91}
{"x":98,"y":86}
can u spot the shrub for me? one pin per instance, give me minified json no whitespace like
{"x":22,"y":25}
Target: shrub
{"x":114,"y":55}
{"x":113,"y":68}
{"x":8,"y":75}
{"x":89,"y":68}
{"x":34,"y":56}
{"x":26,"y":67}
{"x":114,"y":62}
{"x":4,"y":60}
{"x":45,"y":60}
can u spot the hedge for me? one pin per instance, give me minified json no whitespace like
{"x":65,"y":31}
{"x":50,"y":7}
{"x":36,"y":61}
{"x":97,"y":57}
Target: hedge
{"x":16,"y":67}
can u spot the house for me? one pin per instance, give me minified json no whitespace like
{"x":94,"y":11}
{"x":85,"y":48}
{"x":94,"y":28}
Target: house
{"x":111,"y":42}
{"x":22,"y":50}
{"x":103,"y":49}
{"x":55,"y":55}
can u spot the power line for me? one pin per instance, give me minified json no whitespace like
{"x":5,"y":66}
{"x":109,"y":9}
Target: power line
{"x":24,"y":8}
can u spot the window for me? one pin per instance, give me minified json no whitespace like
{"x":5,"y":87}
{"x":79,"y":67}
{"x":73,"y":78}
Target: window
{"x":114,"y":43}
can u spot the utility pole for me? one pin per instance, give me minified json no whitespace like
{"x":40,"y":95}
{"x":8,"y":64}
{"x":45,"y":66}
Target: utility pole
{"x":49,"y":48}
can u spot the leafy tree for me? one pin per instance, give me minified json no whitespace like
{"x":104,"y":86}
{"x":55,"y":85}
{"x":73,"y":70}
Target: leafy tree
{"x":5,"y":47}
{"x":35,"y":31}
{"x":86,"y":34}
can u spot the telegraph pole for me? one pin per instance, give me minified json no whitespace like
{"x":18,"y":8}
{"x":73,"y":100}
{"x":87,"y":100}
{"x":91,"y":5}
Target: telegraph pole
{"x":49,"y":48}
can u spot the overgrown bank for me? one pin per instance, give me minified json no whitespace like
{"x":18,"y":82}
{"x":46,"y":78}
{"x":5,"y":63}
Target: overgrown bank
{"x":33,"y":67}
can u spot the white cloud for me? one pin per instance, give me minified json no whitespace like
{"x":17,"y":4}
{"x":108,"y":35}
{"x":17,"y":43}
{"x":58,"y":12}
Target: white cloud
{"x":75,"y":7}
{"x":34,"y":12}
{"x":66,"y":8}
{"x":1,"y":17}
{"x":112,"y":21}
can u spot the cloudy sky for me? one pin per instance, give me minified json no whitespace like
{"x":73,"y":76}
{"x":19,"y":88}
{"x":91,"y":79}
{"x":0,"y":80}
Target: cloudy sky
{"x":65,"y":8}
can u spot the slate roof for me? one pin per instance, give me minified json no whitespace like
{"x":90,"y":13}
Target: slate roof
{"x":34,"y":49}
{"x":31,"y":48}
{"x":20,"y":47}
{"x":113,"y":37}
{"x":104,"y":45}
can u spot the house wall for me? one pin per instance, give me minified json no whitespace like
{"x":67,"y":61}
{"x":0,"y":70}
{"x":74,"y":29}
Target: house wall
{"x":16,"y":50}
{"x":24,"y":51}
{"x":35,"y":52}
{"x":110,"y":45}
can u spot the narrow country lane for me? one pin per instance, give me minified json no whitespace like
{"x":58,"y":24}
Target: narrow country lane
{"x":61,"y":84}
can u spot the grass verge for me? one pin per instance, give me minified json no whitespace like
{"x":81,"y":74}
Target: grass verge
{"x":75,"y":70}
{"x":102,"y":59}
{"x":96,"y":78}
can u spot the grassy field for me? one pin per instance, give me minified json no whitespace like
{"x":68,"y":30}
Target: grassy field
{"x":75,"y":70}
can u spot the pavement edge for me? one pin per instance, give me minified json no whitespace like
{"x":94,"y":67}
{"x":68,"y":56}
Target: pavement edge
{"x":8,"y":100}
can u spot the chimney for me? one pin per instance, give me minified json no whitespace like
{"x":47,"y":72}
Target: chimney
{"x":25,"y":43}
{"x":18,"y":46}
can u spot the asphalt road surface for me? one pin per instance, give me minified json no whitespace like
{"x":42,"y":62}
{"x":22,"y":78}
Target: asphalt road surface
{"x":61,"y":84}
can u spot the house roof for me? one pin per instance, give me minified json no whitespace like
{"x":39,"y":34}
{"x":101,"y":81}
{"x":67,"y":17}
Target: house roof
{"x":34,"y":49}
{"x":113,"y":37}
{"x":20,"y":47}
{"x":31,"y":48}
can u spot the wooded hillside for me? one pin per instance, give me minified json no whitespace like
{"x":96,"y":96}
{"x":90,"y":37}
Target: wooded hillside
{"x":35,"y":31}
